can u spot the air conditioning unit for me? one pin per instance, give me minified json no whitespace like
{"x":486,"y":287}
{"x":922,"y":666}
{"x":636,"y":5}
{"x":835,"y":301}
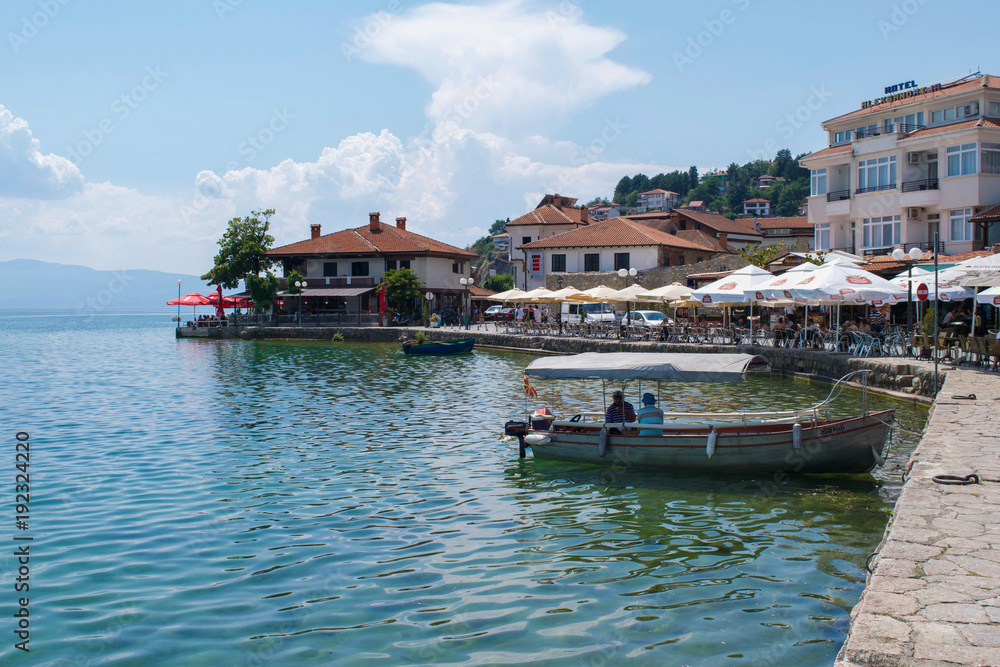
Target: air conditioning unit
{"x":913,"y":158}
{"x":913,"y":213}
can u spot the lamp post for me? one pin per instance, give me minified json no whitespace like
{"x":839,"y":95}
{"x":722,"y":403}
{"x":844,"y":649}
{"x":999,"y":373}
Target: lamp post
{"x":179,"y":304}
{"x":467,"y":283}
{"x":559,"y":281}
{"x":910,"y":258}
{"x":300,"y":285}
{"x":622,"y":273}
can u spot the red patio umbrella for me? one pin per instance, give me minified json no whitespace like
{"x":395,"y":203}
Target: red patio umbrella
{"x":193,"y":299}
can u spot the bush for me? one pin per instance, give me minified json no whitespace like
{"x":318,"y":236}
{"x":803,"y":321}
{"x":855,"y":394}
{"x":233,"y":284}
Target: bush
{"x":338,"y":337}
{"x":421,"y":338}
{"x":927,"y":326}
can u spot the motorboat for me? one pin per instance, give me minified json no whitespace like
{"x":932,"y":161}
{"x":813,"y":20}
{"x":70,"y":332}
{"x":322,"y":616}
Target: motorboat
{"x":444,"y":347}
{"x":807,"y":440}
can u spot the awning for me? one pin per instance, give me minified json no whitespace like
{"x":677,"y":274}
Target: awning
{"x":687,"y":367}
{"x":330,"y":291}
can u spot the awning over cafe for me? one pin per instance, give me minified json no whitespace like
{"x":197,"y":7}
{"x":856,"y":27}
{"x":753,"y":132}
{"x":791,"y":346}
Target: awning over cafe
{"x":330,"y":291}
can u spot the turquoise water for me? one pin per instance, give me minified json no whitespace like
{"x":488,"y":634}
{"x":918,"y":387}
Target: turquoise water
{"x":230,"y":502}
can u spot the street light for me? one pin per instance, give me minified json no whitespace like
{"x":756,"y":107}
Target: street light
{"x":467,"y":283}
{"x":910,"y":258}
{"x":300,"y":285}
{"x":622,"y":273}
{"x":179,"y":304}
{"x":559,"y":281}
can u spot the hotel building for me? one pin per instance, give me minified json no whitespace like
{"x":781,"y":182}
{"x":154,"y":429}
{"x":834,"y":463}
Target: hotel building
{"x":920,"y":160}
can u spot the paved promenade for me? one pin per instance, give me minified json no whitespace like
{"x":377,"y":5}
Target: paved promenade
{"x":934,"y":595}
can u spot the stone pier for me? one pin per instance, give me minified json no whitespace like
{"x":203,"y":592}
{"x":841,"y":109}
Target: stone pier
{"x":933,"y":595}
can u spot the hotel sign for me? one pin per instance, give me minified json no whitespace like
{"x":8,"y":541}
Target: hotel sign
{"x":901,"y":91}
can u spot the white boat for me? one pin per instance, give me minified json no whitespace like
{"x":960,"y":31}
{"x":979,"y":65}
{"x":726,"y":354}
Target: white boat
{"x":806,"y":440}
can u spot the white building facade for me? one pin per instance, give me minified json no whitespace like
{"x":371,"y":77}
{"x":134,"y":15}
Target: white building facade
{"x":907,"y":166}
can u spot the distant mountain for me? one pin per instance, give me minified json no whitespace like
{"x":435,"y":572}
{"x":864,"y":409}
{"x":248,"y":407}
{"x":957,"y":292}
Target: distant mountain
{"x":29,"y":283}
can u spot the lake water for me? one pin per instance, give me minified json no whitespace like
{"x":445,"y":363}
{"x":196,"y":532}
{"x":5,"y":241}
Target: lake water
{"x":246,"y":503}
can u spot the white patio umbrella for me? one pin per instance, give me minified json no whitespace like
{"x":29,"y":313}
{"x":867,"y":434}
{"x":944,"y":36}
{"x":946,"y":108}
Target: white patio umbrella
{"x":990,"y":296}
{"x":946,"y":292}
{"x":731,"y":290}
{"x":537,"y":294}
{"x":837,"y":282}
{"x":633,"y":293}
{"x":776,"y":287}
{"x":510,"y":295}
{"x":568,"y":294}
{"x":600,"y":293}
{"x":671,"y":292}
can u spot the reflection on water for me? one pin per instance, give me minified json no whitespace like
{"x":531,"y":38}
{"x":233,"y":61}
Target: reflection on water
{"x":306,"y":502}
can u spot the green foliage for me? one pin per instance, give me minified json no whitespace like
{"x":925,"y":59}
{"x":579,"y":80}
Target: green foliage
{"x":762,"y":255}
{"x":402,"y":287}
{"x":498,"y":226}
{"x":427,"y":313}
{"x":693,"y":177}
{"x":927,"y":326}
{"x":499,"y":283}
{"x":263,"y":290}
{"x":632,"y":199}
{"x":818,"y":258}
{"x":292,"y":278}
{"x":337,"y":337}
{"x":242,"y":250}
{"x":598,"y":201}
{"x":421,"y":337}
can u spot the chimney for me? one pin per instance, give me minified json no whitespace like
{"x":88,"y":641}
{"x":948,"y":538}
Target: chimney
{"x":584,"y":214}
{"x":401,"y":223}
{"x":315,"y":231}
{"x":373,"y":223}
{"x":723,"y":238}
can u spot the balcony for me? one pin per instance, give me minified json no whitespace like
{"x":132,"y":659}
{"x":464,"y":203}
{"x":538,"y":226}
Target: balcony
{"x":838,"y":195}
{"x":924,"y":192}
{"x":892,"y":128}
{"x":875,"y":188}
{"x":838,"y":202}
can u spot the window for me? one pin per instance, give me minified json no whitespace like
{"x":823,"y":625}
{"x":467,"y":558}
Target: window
{"x":989,"y":158}
{"x":680,"y":260}
{"x":821,"y":236}
{"x":390,"y":265}
{"x":876,"y":174}
{"x":559,"y":263}
{"x":994,"y":108}
{"x":404,"y":263}
{"x":842,"y":137}
{"x":359,"y":268}
{"x":621,"y":260}
{"x":457,"y":268}
{"x":967,"y":110}
{"x":881,"y":232}
{"x":329,"y":269}
{"x":937,"y":116}
{"x":666,"y":260}
{"x":962,"y":159}
{"x":960,"y":229}
{"x":525,"y":239}
{"x":817,"y":182}
{"x":592,"y":262}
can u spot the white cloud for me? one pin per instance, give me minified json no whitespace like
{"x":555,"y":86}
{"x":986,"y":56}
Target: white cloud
{"x":503,"y":66}
{"x":24,"y":171}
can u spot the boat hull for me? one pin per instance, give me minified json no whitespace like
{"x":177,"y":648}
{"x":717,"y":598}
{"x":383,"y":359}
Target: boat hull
{"x":449,"y":347}
{"x":847,"y":445}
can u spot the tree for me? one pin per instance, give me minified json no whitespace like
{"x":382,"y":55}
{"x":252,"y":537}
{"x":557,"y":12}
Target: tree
{"x":263,"y":290}
{"x":499,"y":283}
{"x":623,"y":188}
{"x":598,"y":201}
{"x":498,"y":226}
{"x":793,"y":195}
{"x":402,"y":288}
{"x":640,"y":183}
{"x":632,"y":199}
{"x":243,"y":250}
{"x":290,"y":280}
{"x":693,"y":177}
{"x":762,"y":255}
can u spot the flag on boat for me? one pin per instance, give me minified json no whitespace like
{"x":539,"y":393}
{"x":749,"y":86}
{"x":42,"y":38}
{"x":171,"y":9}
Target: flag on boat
{"x":529,"y":391}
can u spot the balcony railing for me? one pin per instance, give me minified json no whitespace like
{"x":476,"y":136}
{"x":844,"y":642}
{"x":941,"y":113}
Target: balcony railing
{"x":894,"y":128}
{"x":875,"y":188}
{"x":917,"y":186}
{"x":838,"y":195}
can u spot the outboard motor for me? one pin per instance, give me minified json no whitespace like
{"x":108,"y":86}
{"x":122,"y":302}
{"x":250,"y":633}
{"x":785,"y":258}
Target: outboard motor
{"x":518,"y":429}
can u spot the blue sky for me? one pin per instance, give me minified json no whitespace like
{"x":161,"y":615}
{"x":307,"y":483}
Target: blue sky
{"x":130,"y":133}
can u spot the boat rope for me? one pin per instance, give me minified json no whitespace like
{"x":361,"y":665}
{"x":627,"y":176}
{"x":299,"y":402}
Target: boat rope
{"x":968,"y":397}
{"x":868,"y":562}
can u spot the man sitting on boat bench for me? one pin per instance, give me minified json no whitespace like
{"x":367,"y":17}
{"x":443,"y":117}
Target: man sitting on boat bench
{"x":620,"y":411}
{"x":650,"y":414}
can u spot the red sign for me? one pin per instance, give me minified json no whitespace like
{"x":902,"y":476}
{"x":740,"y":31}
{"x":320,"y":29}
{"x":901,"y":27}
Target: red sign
{"x":996,"y":301}
{"x":536,"y":262}
{"x":922,"y":292}
{"x":706,"y":299}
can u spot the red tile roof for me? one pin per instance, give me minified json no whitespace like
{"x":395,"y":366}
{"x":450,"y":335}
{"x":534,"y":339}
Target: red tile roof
{"x":652,"y":215}
{"x":697,"y":203}
{"x":790,"y":222}
{"x":984,"y":81}
{"x":720,"y":223}
{"x":361,"y":240}
{"x":704,"y":239}
{"x":961,"y":125}
{"x":756,"y":199}
{"x":832,"y":150}
{"x":658,"y":191}
{"x":991,"y":214}
{"x":549,"y":214}
{"x":613,"y":232}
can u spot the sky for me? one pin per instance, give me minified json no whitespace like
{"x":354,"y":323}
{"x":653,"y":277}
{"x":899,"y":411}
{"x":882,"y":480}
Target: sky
{"x":131,"y":133}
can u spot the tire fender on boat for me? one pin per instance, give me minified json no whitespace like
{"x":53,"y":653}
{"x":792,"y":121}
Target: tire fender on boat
{"x":602,"y":442}
{"x":797,"y":436}
{"x":710,"y":447}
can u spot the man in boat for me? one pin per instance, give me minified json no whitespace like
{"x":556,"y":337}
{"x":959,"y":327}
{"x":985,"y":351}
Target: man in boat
{"x":650,"y":414}
{"x":620,"y":410}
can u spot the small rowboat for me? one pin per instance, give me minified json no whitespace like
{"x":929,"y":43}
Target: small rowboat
{"x":445,"y":347}
{"x":804,"y":440}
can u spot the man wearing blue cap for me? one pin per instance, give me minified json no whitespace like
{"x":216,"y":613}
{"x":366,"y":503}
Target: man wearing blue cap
{"x":650,"y":414}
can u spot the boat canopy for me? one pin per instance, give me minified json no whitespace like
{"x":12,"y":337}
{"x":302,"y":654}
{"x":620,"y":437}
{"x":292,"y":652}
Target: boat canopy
{"x":686,"y":367}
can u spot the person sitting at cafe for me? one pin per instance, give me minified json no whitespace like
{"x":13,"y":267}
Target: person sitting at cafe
{"x":779,"y":329}
{"x":864,"y":327}
{"x":620,"y":411}
{"x":950,"y":317}
{"x":650,"y":414}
